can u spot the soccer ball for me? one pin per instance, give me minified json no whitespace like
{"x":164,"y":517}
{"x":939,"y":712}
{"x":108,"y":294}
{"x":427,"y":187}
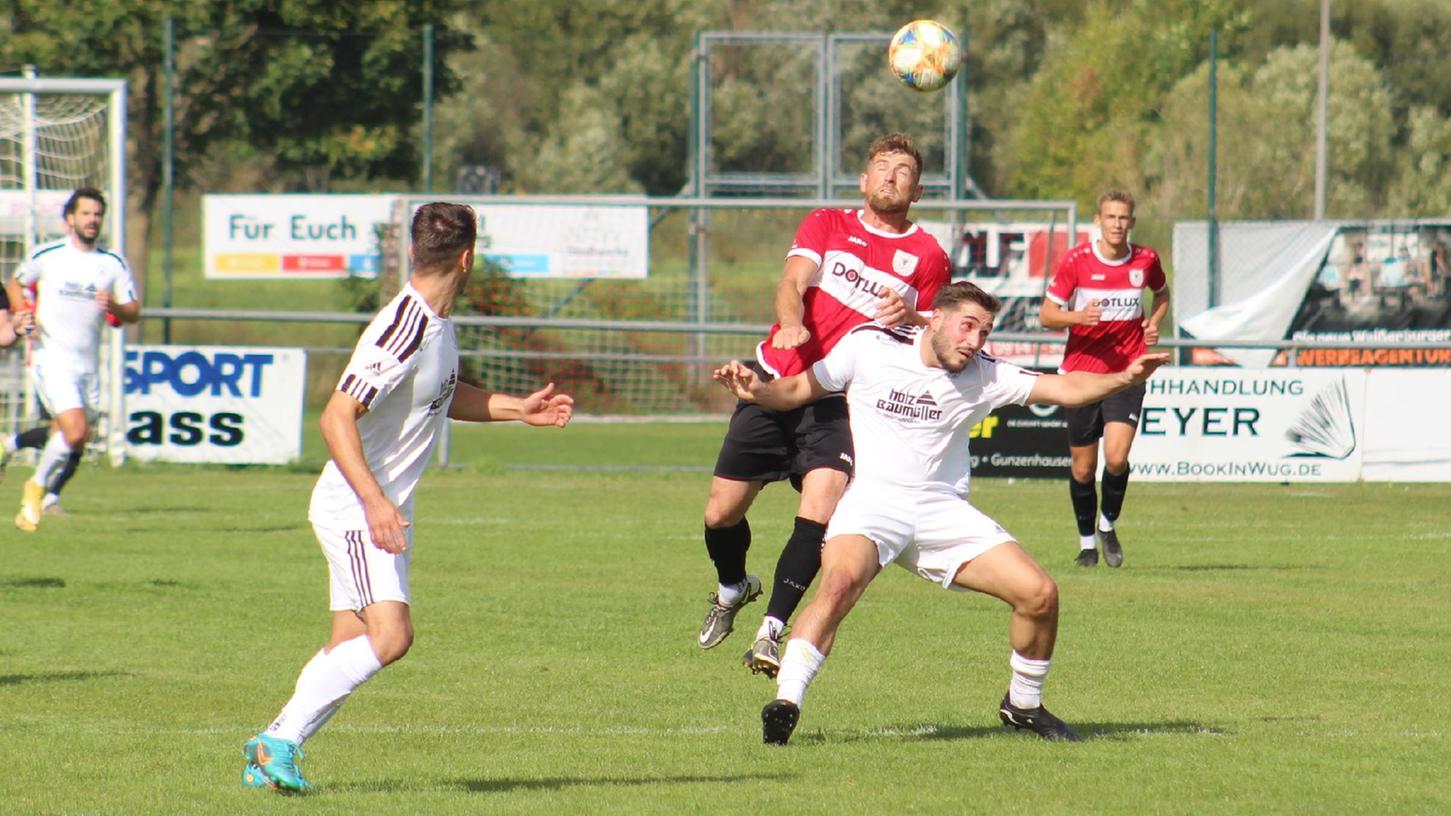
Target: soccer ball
{"x":924,"y":54}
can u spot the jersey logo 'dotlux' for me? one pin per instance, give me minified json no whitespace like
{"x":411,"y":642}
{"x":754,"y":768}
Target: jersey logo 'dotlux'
{"x":903,"y":405}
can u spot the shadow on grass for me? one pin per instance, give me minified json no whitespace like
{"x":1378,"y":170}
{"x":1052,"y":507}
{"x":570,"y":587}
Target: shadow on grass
{"x":33,"y":583}
{"x":934,"y":732}
{"x":1239,"y":567}
{"x":56,"y":677}
{"x":557,"y":782}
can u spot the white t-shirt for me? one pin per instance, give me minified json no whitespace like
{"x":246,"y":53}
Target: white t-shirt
{"x":404,"y":371}
{"x":66,"y":279}
{"x":909,"y":421}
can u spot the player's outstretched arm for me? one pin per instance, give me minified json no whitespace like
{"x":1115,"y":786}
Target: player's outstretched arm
{"x":1077,"y":388}
{"x":344,"y":444}
{"x":779,"y":395}
{"x":543,"y":408}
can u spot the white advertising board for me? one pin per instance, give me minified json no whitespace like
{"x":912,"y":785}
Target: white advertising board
{"x":292,"y":236}
{"x":335,"y":236}
{"x":1407,"y":437}
{"x":1224,"y":424}
{"x":565,"y":241}
{"x":214,"y":404}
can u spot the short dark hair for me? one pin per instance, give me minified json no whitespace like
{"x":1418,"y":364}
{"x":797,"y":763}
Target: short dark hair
{"x":896,"y":143}
{"x":440,"y":232}
{"x":954,"y":294}
{"x":80,"y":193}
{"x":1121,"y":196}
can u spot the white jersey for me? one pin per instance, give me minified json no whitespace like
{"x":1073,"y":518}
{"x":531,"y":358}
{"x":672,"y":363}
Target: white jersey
{"x":66,"y":279}
{"x":910,"y":422}
{"x":403,"y":370}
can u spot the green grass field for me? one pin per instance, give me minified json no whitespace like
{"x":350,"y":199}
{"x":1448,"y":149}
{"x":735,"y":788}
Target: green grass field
{"x":1265,"y":649}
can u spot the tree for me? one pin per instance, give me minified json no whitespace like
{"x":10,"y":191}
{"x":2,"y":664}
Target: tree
{"x":1266,"y":163}
{"x":313,"y":88}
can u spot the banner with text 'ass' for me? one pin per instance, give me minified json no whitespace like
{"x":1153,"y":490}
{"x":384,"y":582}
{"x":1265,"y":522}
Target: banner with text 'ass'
{"x":215,"y":404}
{"x":1283,"y":425}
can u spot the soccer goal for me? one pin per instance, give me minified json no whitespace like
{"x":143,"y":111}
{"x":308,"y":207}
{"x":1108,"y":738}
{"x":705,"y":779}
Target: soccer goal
{"x":57,"y":135}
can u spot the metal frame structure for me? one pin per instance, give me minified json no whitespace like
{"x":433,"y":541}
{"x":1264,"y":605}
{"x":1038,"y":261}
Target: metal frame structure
{"x":115,"y":91}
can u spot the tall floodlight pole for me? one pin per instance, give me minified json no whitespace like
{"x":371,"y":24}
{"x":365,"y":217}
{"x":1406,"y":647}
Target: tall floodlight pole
{"x":1322,"y":112}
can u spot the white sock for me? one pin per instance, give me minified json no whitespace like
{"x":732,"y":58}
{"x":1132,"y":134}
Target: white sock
{"x":10,"y":444}
{"x":322,"y":686}
{"x":1026,"y":689}
{"x":1104,"y":524}
{"x":799,"y":665}
{"x":730,"y":594}
{"x":1087,"y":542}
{"x":771,"y":628}
{"x":52,"y":456}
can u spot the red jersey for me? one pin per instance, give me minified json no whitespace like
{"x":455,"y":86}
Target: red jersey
{"x":855,"y":264}
{"x":1086,"y":278}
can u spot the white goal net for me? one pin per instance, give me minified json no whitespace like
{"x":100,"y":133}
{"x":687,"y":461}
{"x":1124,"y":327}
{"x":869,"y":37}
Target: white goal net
{"x":57,"y":135}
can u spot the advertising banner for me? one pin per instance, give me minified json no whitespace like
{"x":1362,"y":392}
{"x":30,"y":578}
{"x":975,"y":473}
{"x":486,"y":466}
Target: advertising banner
{"x":292,"y":236}
{"x":564,"y":241}
{"x":1407,"y":437}
{"x":1022,"y":441}
{"x":1014,"y":262}
{"x":214,"y":404}
{"x":1282,"y":425}
{"x":1347,"y":283}
{"x":1382,"y":283}
{"x":336,"y":236}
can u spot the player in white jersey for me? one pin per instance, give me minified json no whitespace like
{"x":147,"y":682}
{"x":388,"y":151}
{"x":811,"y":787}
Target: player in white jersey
{"x":914,"y":395}
{"x":380,"y":426}
{"x":79,"y":285}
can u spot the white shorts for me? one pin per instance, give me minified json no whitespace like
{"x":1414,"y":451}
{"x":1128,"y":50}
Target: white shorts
{"x":360,"y":573}
{"x":930,"y":533}
{"x":64,"y":388}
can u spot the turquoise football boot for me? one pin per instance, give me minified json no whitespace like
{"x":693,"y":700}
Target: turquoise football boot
{"x":276,"y":760}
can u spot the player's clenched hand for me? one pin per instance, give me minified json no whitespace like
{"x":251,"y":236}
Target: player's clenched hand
{"x":891,"y":309}
{"x":544,"y":408}
{"x":737,"y":378}
{"x":1151,"y":333}
{"x":789,"y":337}
{"x":386,"y":525}
{"x":103,"y":300}
{"x":1091,"y":315}
{"x":24,"y":321}
{"x":1140,"y":369}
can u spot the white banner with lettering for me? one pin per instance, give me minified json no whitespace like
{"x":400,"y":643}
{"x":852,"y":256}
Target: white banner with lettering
{"x":1223,"y":424}
{"x":216,"y":404}
{"x":292,"y":236}
{"x":565,"y":241}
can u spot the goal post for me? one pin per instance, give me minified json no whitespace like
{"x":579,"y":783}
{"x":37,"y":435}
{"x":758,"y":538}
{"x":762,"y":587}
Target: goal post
{"x":57,"y":134}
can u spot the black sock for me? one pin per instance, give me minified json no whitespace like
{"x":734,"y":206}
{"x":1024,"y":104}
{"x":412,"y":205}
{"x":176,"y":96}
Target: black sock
{"x":727,"y":547}
{"x":67,"y":470}
{"x":33,"y":438}
{"x":796,"y":568}
{"x":1114,"y":488}
{"x":1085,"y":504}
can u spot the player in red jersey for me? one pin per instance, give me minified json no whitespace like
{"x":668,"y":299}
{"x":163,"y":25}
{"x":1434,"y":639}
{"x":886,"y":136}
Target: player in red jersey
{"x":846,"y":267}
{"x":1098,"y":295}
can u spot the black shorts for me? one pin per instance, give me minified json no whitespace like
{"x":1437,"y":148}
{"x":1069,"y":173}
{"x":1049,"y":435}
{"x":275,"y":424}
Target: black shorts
{"x":1085,"y":425}
{"x":767,"y":446}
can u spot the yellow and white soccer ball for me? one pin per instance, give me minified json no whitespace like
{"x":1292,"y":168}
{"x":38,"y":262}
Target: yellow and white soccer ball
{"x":925,"y":55}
